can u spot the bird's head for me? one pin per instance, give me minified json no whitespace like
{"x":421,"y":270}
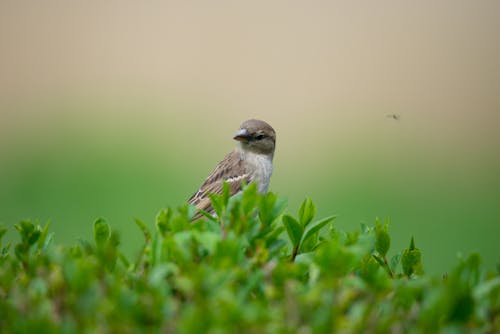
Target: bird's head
{"x":256,"y":136}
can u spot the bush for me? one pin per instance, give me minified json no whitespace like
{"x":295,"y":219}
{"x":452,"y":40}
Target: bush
{"x":252,"y":269}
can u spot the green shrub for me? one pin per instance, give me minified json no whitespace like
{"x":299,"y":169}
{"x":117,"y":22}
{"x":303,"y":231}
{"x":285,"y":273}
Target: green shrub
{"x":251,"y":269}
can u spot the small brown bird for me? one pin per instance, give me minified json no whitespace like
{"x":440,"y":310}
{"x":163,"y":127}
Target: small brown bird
{"x":250,"y":161}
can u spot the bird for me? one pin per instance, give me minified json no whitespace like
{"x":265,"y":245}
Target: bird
{"x":251,"y":161}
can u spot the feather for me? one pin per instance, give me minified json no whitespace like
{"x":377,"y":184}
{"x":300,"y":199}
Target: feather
{"x":231,"y":170}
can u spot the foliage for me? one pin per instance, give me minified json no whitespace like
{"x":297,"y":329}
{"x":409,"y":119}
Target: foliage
{"x":251,"y":269}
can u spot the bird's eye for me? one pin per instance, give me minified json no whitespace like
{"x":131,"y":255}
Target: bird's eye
{"x":259,"y":136}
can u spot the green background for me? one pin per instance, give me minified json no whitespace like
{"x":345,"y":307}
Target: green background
{"x":103,"y":118}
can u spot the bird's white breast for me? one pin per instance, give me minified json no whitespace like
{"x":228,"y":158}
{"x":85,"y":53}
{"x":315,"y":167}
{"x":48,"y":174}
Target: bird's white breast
{"x":260,"y":167}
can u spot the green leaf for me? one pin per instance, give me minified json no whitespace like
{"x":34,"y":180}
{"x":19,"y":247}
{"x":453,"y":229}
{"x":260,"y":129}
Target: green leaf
{"x":271,"y":237}
{"x":182,"y":219}
{"x":125,"y":262}
{"x":307,"y":211}
{"x":86,"y":246}
{"x":294,"y":229}
{"x":487,"y":288}
{"x":154,"y":251}
{"x":28,"y":231}
{"x":208,"y":240}
{"x":163,"y":221}
{"x":412,"y":244}
{"x":249,"y":198}
{"x":23,"y":227}
{"x":4,"y":253}
{"x":270,"y":208}
{"x":382,"y":238}
{"x":33,"y":238}
{"x":160,"y":272}
{"x":3,"y":230}
{"x":207,"y":215}
{"x":316,"y":226}
{"x":20,"y":252}
{"x":102,"y":232}
{"x":226,"y":193}
{"x":309,"y":244}
{"x":144,"y":229}
{"x":47,"y":242}
{"x":43,"y":241}
{"x":379,"y":260}
{"x":411,"y":260}
{"x":219,"y":202}
{"x":394,"y":262}
{"x":364,"y":228}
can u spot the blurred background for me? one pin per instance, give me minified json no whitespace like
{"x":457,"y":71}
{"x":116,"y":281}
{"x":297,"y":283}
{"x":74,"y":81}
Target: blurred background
{"x":117,"y":109}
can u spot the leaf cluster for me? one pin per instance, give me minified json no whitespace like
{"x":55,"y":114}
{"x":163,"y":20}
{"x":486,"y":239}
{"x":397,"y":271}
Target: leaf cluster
{"x":252,"y":268}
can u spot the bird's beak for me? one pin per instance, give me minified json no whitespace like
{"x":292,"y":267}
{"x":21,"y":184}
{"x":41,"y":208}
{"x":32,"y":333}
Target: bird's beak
{"x":241,"y":135}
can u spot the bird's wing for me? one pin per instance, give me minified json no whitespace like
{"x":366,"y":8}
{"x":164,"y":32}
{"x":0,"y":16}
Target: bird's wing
{"x":230,"y":170}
